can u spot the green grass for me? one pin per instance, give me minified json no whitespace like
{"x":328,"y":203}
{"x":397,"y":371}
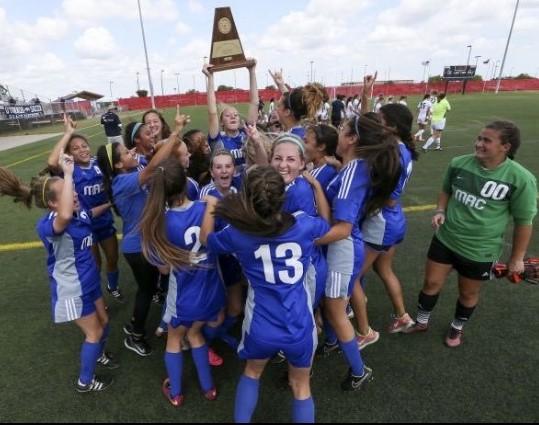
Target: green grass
{"x":491,"y":378}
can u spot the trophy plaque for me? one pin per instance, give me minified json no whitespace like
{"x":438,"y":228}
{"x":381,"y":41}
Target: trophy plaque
{"x":226,"y":50}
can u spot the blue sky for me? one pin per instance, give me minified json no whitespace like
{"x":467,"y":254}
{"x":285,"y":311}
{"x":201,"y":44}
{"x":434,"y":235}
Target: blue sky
{"x":55,"y":47}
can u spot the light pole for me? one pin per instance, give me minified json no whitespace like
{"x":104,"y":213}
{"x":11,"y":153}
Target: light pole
{"x":177,"y":74}
{"x":146,"y":55}
{"x":469,"y":46}
{"x":162,"y":88}
{"x":507,"y":47}
{"x":312,"y":71}
{"x":425,"y":65}
{"x":138,"y":81}
{"x":110,"y":88}
{"x":476,"y":61}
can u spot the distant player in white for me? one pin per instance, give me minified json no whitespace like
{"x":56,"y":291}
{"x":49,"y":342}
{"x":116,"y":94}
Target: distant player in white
{"x":423,"y":109}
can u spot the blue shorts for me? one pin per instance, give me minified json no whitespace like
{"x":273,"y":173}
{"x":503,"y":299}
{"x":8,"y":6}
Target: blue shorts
{"x":177,"y":321}
{"x":230,"y":268}
{"x":345,"y":259}
{"x":103,"y":233}
{"x":69,"y":309}
{"x":299,"y":354}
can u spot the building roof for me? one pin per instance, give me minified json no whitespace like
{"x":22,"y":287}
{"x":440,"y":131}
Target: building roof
{"x":86,"y":95}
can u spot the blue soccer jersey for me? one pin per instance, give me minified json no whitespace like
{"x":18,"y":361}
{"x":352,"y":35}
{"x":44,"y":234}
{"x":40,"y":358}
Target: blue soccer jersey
{"x":129,"y":197}
{"x":73,"y":273}
{"x":192,"y":189}
{"x":195,"y":294}
{"x":89,"y":186}
{"x":324,"y":174}
{"x":233,"y":144}
{"x":299,"y":197}
{"x":299,"y":131}
{"x":142,"y":161}
{"x":347,"y":194}
{"x":388,"y":226}
{"x":278,"y":308}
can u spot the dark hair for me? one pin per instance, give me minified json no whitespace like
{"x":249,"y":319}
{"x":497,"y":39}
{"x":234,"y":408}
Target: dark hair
{"x":426,"y":96}
{"x":305,"y":101}
{"x":168,"y":185}
{"x":165,"y":131}
{"x":401,"y":119}
{"x":257,"y":209}
{"x":441,"y":96}
{"x":73,"y":137}
{"x":39,"y":189}
{"x":199,"y":163}
{"x":129,"y":137}
{"x":107,"y":169}
{"x":509,"y":134}
{"x":325,"y":135}
{"x":188,"y":138}
{"x":377,"y":145}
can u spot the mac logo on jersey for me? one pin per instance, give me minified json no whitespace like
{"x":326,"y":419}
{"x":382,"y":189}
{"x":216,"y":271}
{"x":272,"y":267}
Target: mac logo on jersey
{"x":87,"y":242}
{"x":94,"y":189}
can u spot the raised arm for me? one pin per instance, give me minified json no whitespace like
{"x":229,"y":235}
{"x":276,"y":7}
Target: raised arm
{"x":166,"y":150}
{"x":208,"y":222}
{"x":368,"y":84}
{"x":252,"y":115}
{"x":278,"y":80}
{"x":54,"y":158}
{"x":261,"y":156}
{"x":322,"y":204}
{"x":65,"y":203}
{"x":213,"y":118}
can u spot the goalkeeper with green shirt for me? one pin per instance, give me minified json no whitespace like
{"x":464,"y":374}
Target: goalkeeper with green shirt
{"x":481,"y":192}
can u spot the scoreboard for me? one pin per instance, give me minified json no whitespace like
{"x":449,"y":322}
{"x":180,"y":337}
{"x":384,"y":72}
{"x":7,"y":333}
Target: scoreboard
{"x":459,"y":72}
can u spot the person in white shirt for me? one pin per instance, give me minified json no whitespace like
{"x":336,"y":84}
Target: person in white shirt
{"x":423,"y":109}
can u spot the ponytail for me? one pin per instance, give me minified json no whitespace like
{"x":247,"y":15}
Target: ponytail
{"x":107,"y":156}
{"x":39,"y":189}
{"x":168,"y":185}
{"x":257,"y":209}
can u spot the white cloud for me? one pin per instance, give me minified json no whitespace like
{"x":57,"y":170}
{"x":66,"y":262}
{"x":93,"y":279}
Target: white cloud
{"x":182,"y":28}
{"x":89,"y":12}
{"x":195,"y":6}
{"x":96,"y":43}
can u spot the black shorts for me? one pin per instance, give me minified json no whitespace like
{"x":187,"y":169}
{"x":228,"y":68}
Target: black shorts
{"x":475,"y":270}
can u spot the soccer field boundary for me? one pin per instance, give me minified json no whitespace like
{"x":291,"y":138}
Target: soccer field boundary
{"x":22,"y":246}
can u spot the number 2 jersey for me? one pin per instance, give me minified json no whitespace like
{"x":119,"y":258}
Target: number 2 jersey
{"x":480,"y":204}
{"x":278,"y":308}
{"x":194,"y":294}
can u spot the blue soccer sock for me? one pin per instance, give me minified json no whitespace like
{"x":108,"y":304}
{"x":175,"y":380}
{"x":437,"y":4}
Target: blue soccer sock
{"x":89,"y":354}
{"x":303,"y":411}
{"x":351,"y":351}
{"x":329,"y":332}
{"x":113,"y":278}
{"x":200,"y":357}
{"x":246,"y":399}
{"x":104,"y":338}
{"x":174,"y":365}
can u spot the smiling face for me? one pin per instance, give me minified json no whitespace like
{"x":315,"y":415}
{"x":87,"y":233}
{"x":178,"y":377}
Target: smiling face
{"x":230,"y":119}
{"x":489,"y":148}
{"x":222,"y":171}
{"x":57,"y":187}
{"x":346,"y":140}
{"x":200,"y":143}
{"x":127,"y":159}
{"x":155,"y":125}
{"x":80,"y":150}
{"x":145,"y":141}
{"x":287,"y":160}
{"x":313,"y":152}
{"x":183,"y":155}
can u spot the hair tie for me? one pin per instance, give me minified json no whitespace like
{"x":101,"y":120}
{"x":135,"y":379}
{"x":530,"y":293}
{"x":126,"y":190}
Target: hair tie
{"x":134,"y":131}
{"x":108,"y":148}
{"x":162,"y":169}
{"x":291,"y":138}
{"x":43,"y":190}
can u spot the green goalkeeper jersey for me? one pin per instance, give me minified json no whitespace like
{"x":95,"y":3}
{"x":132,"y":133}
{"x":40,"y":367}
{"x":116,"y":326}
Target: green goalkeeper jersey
{"x":480,"y":204}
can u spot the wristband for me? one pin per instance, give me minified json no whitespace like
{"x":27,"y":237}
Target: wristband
{"x":439,"y":211}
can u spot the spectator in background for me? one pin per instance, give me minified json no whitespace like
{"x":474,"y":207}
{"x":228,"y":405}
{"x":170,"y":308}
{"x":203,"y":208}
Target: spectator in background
{"x":337,"y":111}
{"x":112,"y":124}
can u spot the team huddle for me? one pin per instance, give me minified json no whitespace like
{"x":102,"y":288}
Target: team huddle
{"x":294,"y":210}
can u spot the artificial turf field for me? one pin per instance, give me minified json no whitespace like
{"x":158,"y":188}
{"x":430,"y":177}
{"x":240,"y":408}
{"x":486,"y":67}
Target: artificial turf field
{"x":492,"y":377}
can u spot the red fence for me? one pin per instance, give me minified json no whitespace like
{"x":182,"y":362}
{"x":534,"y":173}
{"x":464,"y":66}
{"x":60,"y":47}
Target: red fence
{"x":242,"y":96}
